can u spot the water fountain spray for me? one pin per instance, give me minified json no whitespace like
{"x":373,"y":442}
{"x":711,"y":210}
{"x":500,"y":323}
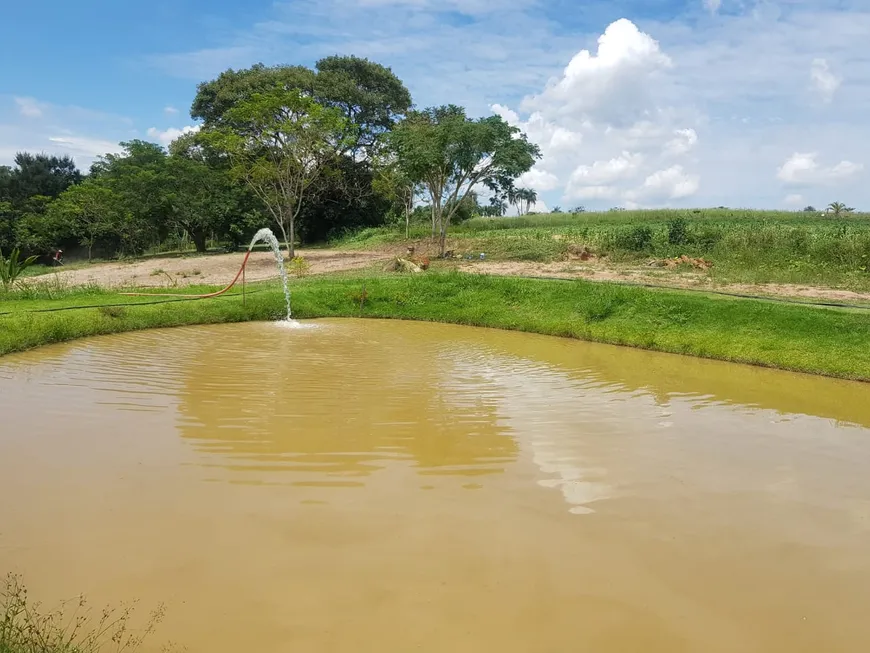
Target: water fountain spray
{"x":265,"y":235}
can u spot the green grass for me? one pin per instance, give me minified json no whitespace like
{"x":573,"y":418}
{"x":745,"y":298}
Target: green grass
{"x":744,"y":246}
{"x":831,"y":342}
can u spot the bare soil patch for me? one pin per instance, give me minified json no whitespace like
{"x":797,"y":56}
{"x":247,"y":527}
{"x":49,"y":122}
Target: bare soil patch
{"x":597,"y":271}
{"x":220,"y":269}
{"x":215,"y":269}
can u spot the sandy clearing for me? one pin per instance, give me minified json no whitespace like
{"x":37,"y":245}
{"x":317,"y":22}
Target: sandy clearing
{"x":216,"y":269}
{"x":220,"y":269}
{"x":691,"y":281}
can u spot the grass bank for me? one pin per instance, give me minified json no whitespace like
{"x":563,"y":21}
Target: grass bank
{"x":830,"y":342}
{"x":744,"y":246}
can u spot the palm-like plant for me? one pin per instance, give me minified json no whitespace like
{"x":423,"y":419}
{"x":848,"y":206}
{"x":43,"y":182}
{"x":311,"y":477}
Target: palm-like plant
{"x":838,"y":208}
{"x":526,"y":198}
{"x":12,"y":267}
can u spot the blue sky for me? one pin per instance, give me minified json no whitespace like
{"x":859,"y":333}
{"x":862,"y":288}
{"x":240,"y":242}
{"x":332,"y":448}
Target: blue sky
{"x":635,"y":103}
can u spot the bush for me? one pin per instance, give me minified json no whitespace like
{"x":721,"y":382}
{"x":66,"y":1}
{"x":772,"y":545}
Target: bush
{"x":678,"y":231}
{"x":706,"y":238}
{"x":636,"y":239}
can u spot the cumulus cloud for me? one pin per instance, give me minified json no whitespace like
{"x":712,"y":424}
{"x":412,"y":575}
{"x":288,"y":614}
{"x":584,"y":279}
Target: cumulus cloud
{"x":610,"y":86}
{"x":540,"y":180}
{"x":166,"y":136}
{"x":823,"y":80}
{"x":601,"y":127}
{"x":29,"y":107}
{"x":599,"y":192}
{"x":605,"y":172}
{"x":170,"y":111}
{"x":801,"y":168}
{"x":670,"y":183}
{"x":682,"y":143}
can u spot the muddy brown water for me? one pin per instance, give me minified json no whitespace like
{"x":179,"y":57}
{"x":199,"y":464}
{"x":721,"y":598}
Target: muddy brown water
{"x":395,"y":486}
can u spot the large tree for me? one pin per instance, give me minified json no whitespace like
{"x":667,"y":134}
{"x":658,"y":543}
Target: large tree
{"x":451,"y":155}
{"x":393,"y":184}
{"x":88,"y":212}
{"x":369,"y":95}
{"x":280,"y":142}
{"x":39,"y":174}
{"x":25,"y":190}
{"x":138,"y":177}
{"x":203,"y":198}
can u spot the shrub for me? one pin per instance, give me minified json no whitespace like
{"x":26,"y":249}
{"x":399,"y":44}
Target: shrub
{"x":11,"y":268}
{"x":636,"y":239}
{"x":678,"y":231}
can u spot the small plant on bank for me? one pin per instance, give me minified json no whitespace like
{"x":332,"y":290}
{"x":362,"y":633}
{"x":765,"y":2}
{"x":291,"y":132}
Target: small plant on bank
{"x":71,"y":628}
{"x":11,"y":268}
{"x":116,"y":312}
{"x":299,"y":266}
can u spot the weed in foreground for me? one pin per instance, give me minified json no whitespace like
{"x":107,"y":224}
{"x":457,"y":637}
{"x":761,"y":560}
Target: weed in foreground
{"x":25,"y":627}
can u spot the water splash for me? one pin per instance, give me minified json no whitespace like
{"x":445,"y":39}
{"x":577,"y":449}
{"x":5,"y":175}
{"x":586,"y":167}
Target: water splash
{"x":266,"y":236}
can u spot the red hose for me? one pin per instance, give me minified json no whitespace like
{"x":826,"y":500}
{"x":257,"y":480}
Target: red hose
{"x":211,"y":294}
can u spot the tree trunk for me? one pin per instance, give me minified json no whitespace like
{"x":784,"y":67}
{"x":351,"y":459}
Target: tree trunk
{"x":284,"y":236}
{"x":90,"y":248}
{"x":433,"y":220}
{"x":443,"y":239}
{"x":291,"y":245}
{"x":199,"y":240}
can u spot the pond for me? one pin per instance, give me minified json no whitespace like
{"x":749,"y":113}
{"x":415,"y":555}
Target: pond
{"x":398,"y":486}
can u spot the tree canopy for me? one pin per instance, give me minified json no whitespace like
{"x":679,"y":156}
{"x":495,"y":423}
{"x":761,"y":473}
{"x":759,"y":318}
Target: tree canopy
{"x":279,"y":143}
{"x":314,"y":151}
{"x":451,"y":155}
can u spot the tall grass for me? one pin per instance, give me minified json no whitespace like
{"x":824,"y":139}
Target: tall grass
{"x":743,"y":245}
{"x":72,"y":627}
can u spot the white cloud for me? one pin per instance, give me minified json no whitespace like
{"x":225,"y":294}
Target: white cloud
{"x":166,"y":136}
{"x":740,"y":80}
{"x":683,"y":143}
{"x":606,"y":172}
{"x":610,"y":86}
{"x":591,"y":192}
{"x":824,"y":81}
{"x":30,"y":125}
{"x":29,"y":107}
{"x":801,"y":168}
{"x":82,"y":146}
{"x":602,"y":124}
{"x":712,"y":5}
{"x":170,"y":111}
{"x":540,"y":180}
{"x":794,"y":199}
{"x":671,"y":183}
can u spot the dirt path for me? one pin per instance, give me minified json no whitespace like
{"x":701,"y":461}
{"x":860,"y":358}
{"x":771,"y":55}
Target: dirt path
{"x":217,"y":269}
{"x":692,"y":281}
{"x":220,"y":269}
